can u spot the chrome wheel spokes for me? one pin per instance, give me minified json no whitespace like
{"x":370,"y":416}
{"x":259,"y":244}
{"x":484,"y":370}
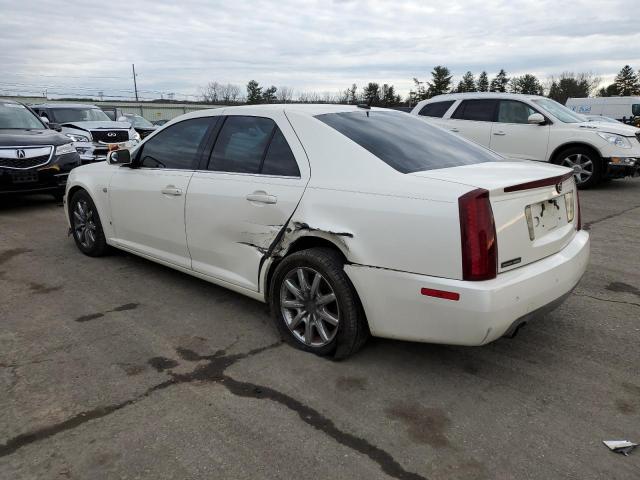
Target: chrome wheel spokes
{"x":84,"y":226}
{"x":581,"y":165}
{"x":309,"y":307}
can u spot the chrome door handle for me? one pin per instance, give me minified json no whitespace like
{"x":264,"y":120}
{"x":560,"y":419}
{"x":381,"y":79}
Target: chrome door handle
{"x":499,"y":133}
{"x":262,"y":197}
{"x":454,"y":130}
{"x":171,"y":190}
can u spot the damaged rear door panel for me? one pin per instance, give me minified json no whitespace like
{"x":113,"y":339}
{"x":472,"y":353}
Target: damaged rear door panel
{"x":234,"y":217}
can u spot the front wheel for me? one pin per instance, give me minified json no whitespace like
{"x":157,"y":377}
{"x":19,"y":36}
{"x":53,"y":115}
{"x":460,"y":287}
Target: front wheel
{"x":586,"y":165}
{"x":85,"y":225}
{"x":315,"y":306}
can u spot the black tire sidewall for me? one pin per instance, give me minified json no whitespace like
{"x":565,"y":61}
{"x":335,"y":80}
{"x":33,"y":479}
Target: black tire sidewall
{"x":329,"y":265}
{"x":598,"y":164}
{"x":100,"y":245}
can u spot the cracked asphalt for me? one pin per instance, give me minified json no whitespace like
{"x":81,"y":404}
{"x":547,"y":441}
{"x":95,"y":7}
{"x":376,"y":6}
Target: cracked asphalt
{"x":118,"y":368}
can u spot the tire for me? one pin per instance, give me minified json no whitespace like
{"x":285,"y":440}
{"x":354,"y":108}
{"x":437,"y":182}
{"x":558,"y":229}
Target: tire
{"x":589,"y":162}
{"x":346,"y":332}
{"x":86,"y":227}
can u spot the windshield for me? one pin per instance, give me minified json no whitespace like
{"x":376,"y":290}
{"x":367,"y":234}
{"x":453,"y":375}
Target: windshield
{"x":16,"y":116}
{"x":138,"y":121}
{"x":559,"y":111}
{"x":405,"y":142}
{"x":66,"y":115}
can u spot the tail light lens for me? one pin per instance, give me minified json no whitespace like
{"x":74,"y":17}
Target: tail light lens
{"x":478,"y":235}
{"x":579,"y":225}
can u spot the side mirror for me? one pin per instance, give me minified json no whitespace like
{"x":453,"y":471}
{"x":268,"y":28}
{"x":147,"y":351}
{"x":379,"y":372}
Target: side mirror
{"x":536,"y":119}
{"x":45,"y":120}
{"x":119,"y":157}
{"x":635,"y":109}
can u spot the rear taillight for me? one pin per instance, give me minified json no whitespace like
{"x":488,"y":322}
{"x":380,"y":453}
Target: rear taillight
{"x":579,"y":225}
{"x":478,"y":235}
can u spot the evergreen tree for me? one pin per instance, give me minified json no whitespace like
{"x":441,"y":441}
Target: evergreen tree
{"x":569,"y":85}
{"x":440,"y":82}
{"x":254,"y":92}
{"x":372,"y":94}
{"x":527,"y":84}
{"x":609,"y":91}
{"x":389,"y":96}
{"x":468,"y":83}
{"x":627,"y":82}
{"x":483,"y":82}
{"x":269,"y":95}
{"x":500,"y":82}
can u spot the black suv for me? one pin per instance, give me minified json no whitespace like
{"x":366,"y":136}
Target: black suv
{"x":33,"y":158}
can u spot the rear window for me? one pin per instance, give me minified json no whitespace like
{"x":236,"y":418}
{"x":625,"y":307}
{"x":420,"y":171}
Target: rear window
{"x":478,"y":110}
{"x":436,"y":109}
{"x":405,"y":142}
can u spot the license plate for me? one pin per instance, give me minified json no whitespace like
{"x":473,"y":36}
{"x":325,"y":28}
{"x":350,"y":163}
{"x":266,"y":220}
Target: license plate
{"x":24,"y":177}
{"x":544,"y":217}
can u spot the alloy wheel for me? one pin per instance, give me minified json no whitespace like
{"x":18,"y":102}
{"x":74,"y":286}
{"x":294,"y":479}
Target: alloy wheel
{"x":581,"y":165}
{"x":309,"y":307}
{"x":84,"y":226}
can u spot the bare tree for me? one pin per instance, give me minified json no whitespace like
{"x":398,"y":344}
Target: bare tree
{"x":285,"y":94}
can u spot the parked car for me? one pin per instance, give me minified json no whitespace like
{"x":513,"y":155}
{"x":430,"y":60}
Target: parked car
{"x":624,"y":109}
{"x":159,"y":123}
{"x":141,"y":125}
{"x":89,"y":127}
{"x":33,"y":158}
{"x":112,"y":112}
{"x":346,"y":220}
{"x":530,"y":127}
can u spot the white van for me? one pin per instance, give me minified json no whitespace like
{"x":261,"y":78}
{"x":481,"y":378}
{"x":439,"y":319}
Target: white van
{"x":620,"y":108}
{"x":529,"y":127}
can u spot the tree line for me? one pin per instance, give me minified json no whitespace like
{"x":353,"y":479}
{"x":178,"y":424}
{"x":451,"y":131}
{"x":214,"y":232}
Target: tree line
{"x":559,"y":88}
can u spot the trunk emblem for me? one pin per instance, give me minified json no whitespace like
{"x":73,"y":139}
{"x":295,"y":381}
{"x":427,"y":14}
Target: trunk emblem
{"x":20,"y":153}
{"x":559,"y":187}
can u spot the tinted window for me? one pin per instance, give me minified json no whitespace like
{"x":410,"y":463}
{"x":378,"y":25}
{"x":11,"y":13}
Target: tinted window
{"x":437,"y":109}
{"x":405,"y":142}
{"x":280,"y":159}
{"x":478,"y":110}
{"x":177,"y":146}
{"x":64,"y":115}
{"x":241,"y":144}
{"x":512,"y":111}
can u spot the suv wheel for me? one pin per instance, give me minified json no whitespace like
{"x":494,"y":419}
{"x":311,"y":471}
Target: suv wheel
{"x":315,"y":306}
{"x":86,"y":226}
{"x":586,"y":165}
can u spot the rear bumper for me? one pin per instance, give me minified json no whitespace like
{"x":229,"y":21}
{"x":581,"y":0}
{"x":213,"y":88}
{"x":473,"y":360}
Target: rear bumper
{"x":485,"y":311}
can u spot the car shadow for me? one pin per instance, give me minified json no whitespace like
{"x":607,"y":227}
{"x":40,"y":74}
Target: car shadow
{"x":17,"y":202}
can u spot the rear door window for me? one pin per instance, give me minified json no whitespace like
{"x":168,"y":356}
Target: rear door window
{"x":478,"y":110}
{"x":280,"y":159}
{"x":405,"y":142}
{"x":436,"y":109}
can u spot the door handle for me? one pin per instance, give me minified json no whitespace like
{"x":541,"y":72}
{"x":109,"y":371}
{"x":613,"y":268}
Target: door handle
{"x":499,"y":133}
{"x":262,"y":197}
{"x":454,"y":130}
{"x":171,"y":190}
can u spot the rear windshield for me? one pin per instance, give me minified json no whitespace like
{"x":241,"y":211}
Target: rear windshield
{"x":65,"y":115}
{"x":405,"y":142}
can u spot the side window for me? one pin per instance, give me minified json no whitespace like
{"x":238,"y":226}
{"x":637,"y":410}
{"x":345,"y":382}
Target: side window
{"x":478,"y":110}
{"x":241,"y":144}
{"x":280,"y":159}
{"x":512,"y":111}
{"x":436,"y":109}
{"x":176,"y":147}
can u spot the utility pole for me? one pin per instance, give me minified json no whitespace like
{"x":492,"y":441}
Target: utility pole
{"x":135,"y":85}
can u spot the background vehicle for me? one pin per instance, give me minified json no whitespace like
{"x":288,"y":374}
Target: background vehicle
{"x":346,"y":220}
{"x":89,"y":127}
{"x":159,"y":123}
{"x":624,"y":109}
{"x":530,"y":127}
{"x":112,"y":112}
{"x":141,"y":125}
{"x":33,"y":158}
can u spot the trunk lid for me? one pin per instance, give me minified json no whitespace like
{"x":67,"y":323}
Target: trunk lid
{"x":534,"y":206}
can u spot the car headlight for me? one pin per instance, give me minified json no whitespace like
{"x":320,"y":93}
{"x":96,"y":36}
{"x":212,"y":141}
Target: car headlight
{"x":133,"y":135}
{"x":66,"y":148}
{"x":78,"y":138}
{"x":617,"y":140}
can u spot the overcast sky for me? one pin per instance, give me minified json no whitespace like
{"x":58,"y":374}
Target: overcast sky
{"x":89,"y":46}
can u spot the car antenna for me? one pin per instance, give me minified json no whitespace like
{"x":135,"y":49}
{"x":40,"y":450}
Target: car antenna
{"x":366,"y":106}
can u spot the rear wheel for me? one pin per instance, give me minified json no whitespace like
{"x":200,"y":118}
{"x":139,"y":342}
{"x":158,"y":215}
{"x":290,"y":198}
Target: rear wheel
{"x":315,"y":306}
{"x":586,"y":165}
{"x":85,"y":225}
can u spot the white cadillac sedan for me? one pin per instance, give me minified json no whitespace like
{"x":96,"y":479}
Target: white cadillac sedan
{"x":348,"y":221}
